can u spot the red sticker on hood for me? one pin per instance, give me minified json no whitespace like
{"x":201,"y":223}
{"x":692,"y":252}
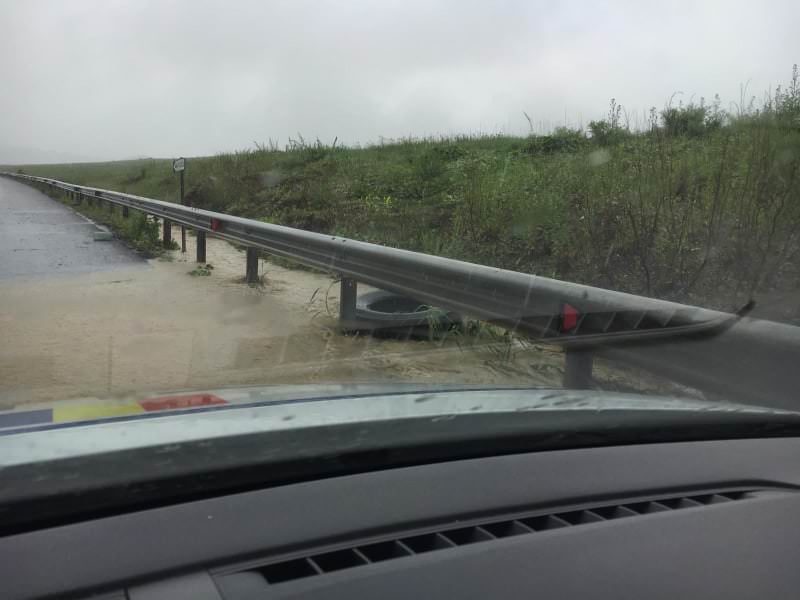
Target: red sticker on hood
{"x":187,"y":401}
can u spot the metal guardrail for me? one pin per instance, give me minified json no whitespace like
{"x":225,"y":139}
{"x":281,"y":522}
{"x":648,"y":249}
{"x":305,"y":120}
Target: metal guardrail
{"x":751,"y":359}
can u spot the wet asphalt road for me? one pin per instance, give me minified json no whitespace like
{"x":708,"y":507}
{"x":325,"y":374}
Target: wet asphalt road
{"x":42,"y":237}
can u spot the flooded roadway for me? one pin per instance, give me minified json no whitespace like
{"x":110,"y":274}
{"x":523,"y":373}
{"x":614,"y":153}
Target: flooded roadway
{"x":135,"y":327}
{"x":40,"y":237}
{"x":159,"y":328}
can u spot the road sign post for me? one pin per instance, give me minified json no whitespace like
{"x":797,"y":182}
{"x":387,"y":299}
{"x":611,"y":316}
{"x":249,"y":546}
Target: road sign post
{"x":179,"y":166}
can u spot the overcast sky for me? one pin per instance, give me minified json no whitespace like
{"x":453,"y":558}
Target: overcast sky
{"x":110,"y":79}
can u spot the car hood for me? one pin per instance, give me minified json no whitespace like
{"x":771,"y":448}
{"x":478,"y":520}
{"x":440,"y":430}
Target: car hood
{"x":71,"y":429}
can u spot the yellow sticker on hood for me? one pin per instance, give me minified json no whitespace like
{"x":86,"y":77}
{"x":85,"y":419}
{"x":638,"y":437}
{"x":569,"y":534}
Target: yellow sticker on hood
{"x":83,"y":412}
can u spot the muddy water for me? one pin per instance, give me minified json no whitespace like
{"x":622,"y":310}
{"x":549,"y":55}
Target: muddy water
{"x":155,"y":329}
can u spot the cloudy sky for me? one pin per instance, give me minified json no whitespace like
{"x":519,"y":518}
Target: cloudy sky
{"x":110,"y":79}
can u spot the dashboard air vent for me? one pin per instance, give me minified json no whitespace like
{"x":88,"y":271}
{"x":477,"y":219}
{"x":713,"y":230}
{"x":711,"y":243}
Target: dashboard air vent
{"x":314,"y":564}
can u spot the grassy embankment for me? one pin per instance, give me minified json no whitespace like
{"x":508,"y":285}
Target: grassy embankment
{"x":701,"y":206}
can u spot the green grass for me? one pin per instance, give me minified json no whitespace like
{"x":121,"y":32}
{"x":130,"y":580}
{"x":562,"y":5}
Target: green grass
{"x":201,"y":271}
{"x":701,"y":206}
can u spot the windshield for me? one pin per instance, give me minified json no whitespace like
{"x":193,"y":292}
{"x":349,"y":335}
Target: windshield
{"x":215,"y":204}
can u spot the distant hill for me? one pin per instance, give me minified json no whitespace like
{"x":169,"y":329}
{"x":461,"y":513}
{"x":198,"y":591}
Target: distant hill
{"x":17,"y":155}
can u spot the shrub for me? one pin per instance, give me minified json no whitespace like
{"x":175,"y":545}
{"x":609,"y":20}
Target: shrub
{"x":684,"y":120}
{"x":693,"y":120}
{"x":142,"y":232}
{"x":609,"y":131}
{"x":786,"y":103}
{"x":563,"y":139}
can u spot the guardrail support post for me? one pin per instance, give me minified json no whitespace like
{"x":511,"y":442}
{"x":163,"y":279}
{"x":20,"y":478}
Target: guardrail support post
{"x":348,"y":292}
{"x":166,"y":239}
{"x":125,"y":211}
{"x":578,"y":369}
{"x":251,"y":273}
{"x":200,"y":240}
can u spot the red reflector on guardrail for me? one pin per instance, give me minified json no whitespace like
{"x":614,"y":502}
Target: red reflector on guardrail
{"x":569,"y":318}
{"x":214,"y":224}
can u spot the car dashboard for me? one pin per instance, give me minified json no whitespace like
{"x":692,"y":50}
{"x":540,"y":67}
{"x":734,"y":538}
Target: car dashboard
{"x":687,"y":519}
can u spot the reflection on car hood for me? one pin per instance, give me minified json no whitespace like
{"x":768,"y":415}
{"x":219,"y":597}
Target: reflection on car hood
{"x":86,"y":427}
